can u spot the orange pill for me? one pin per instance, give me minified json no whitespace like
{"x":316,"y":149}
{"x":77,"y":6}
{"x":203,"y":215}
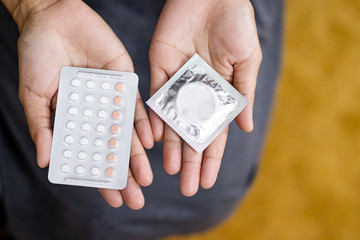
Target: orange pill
{"x":119,"y":87}
{"x":118,"y":101}
{"x":115,"y":129}
{"x":115,"y":115}
{"x":113,"y":143}
{"x":111,"y":157}
{"x":109,"y":172}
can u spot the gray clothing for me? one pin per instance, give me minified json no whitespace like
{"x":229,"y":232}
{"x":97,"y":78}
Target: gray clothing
{"x":39,"y":210}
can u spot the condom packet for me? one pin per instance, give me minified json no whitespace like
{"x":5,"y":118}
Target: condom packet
{"x":197,"y":103}
{"x":93,"y":128}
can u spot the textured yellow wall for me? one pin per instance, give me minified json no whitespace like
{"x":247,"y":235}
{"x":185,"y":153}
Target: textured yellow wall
{"x":308,"y":187}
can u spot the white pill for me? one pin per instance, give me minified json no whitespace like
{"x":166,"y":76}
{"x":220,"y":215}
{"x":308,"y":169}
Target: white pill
{"x":102,"y":114}
{"x":85,"y":126}
{"x":75,"y":82}
{"x":87,"y":112}
{"x":100,"y":128}
{"x":96,"y":157}
{"x":80,"y":170}
{"x":70,"y":125}
{"x":90,"y":84}
{"x":95,"y":171}
{"x":88,"y":98}
{"x":72,"y":111}
{"x":105,"y":85}
{"x":68,"y":139}
{"x":74,"y":96}
{"x":103,"y":100}
{"x":99,"y":142}
{"x":66,"y":153}
{"x":83,"y":141}
{"x":82,"y":155}
{"x":65,"y":168}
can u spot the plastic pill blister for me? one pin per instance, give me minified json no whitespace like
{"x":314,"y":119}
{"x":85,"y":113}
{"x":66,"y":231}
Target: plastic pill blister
{"x":93,"y":128}
{"x":197,"y":103}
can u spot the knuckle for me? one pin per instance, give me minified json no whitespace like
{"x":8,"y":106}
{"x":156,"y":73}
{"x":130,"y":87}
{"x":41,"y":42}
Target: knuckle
{"x":137,"y":121}
{"x":250,"y":96}
{"x":192,"y":161}
{"x":212,"y":158}
{"x":248,"y":9}
{"x":259,"y":55}
{"x":152,"y":52}
{"x":21,"y":96}
{"x":247,"y":85}
{"x":172,"y":141}
{"x":138,"y":156}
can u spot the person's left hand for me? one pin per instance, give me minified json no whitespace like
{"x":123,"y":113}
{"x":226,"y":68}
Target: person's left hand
{"x":223,"y":32}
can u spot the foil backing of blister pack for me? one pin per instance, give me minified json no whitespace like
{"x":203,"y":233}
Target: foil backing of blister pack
{"x":197,"y":103}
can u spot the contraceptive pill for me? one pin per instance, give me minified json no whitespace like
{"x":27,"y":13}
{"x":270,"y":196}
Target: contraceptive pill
{"x":93,"y":128}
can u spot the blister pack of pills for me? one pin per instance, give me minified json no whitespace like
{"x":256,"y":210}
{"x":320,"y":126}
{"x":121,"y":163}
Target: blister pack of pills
{"x":93,"y":128}
{"x":197,"y":103}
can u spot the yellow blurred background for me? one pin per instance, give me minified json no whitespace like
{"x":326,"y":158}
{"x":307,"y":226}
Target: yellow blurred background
{"x":308,"y":186}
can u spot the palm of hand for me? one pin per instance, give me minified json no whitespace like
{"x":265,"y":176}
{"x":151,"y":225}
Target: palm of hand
{"x":225,"y":35}
{"x":75,"y":35}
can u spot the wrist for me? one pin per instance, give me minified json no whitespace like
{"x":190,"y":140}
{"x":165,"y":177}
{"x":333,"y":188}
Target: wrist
{"x":21,"y":9}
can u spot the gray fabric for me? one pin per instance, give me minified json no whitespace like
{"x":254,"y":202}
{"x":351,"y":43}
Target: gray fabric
{"x":39,"y":210}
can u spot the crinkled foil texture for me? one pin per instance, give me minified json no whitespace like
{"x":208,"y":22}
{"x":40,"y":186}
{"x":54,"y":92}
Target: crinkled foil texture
{"x":198,"y":132}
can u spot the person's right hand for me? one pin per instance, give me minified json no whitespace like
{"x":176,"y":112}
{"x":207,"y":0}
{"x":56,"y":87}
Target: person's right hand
{"x":69,"y":33}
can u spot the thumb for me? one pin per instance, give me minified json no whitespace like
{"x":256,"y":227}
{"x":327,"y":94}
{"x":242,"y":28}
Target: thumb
{"x":245,"y":77}
{"x":164,"y":63}
{"x":37,"y":111}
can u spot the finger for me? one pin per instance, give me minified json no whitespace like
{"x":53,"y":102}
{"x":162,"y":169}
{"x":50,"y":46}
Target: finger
{"x":37,"y":111}
{"x":190,"y":171}
{"x":245,"y":78}
{"x":139,"y":162}
{"x":132,"y":193}
{"x":142,"y":124}
{"x":212,"y":160}
{"x":112,"y":197}
{"x":172,"y":151}
{"x":157,"y":126}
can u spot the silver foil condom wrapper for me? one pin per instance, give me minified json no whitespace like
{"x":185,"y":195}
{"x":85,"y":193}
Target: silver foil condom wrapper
{"x":197,"y":103}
